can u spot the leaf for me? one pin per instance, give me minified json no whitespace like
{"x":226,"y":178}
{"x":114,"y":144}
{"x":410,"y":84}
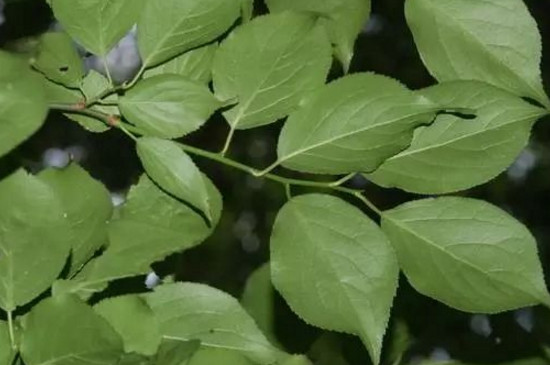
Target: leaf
{"x":23,"y":106}
{"x":349,"y":260}
{"x":297,"y":360}
{"x":467,"y":254}
{"x":247,"y":9}
{"x":59,"y":60}
{"x":496,"y":41}
{"x":65,"y":331}
{"x":189,"y":311}
{"x":168,"y":106}
{"x":170,"y":167}
{"x":258,"y":300}
{"x":455,"y":154}
{"x":134,"y":321}
{"x":97,"y":25}
{"x":7,"y":354}
{"x":195,"y":65}
{"x":353,"y":124}
{"x":87,"y":206}
{"x":34,"y":239}
{"x":151,"y":226}
{"x":343,"y":20}
{"x":212,"y":355}
{"x":59,"y":94}
{"x":170,"y":27}
{"x":270,"y":65}
{"x":175,"y":352}
{"x":327,"y":350}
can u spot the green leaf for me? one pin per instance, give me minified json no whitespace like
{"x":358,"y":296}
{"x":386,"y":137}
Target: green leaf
{"x":175,"y":352}
{"x":349,"y":259}
{"x":189,"y":311}
{"x":195,"y":65}
{"x":170,"y":167}
{"x":212,"y":355}
{"x":269,"y":65}
{"x":134,"y":321}
{"x":467,"y":254}
{"x":6,"y":354}
{"x":455,"y":154}
{"x":94,"y":84}
{"x":170,"y":27}
{"x":168,"y":106}
{"x":23,"y":106}
{"x":247,"y":9}
{"x":297,"y":360}
{"x":353,"y":124}
{"x":34,"y":239}
{"x":87,"y":205}
{"x":258,"y":300}
{"x":59,"y":94}
{"x":59,"y":60}
{"x":343,"y":20}
{"x":97,"y":25}
{"x":65,"y":331}
{"x":151,"y":226}
{"x":327,"y":350}
{"x":496,"y":41}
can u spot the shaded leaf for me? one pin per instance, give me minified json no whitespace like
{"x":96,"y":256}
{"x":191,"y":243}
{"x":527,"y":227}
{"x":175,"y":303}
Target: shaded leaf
{"x":175,"y":352}
{"x":6,"y":352}
{"x":212,"y":355}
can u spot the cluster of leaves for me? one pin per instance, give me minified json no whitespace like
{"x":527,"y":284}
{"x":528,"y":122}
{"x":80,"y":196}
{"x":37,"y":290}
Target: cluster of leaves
{"x":61,"y":241}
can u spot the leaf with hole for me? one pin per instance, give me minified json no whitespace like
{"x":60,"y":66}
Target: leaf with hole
{"x":455,"y":154}
{"x":352,"y":124}
{"x":467,"y":254}
{"x":269,"y":65}
{"x":168,"y":106}
{"x":496,"y":41}
{"x":350,"y":262}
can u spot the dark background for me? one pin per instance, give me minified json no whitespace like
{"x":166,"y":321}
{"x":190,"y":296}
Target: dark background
{"x":240,"y":243}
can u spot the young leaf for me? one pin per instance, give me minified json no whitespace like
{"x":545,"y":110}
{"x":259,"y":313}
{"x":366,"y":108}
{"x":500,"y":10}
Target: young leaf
{"x":151,"y":226}
{"x":349,"y":259}
{"x":467,"y":254}
{"x":65,"y":331}
{"x":59,"y":60}
{"x":7,"y":354}
{"x":35,"y":239}
{"x":496,"y":41}
{"x":168,"y":106}
{"x":134,"y":321}
{"x":212,"y":355}
{"x":194,"y":65}
{"x":174,"y":171}
{"x":175,"y":352}
{"x":343,"y":20}
{"x":97,"y":24}
{"x":352,"y":124}
{"x":269,"y":65}
{"x":170,"y":27}
{"x":189,"y":311}
{"x":455,"y":154}
{"x":87,"y":206}
{"x":23,"y":106}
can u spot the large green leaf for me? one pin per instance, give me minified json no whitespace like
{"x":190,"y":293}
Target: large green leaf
{"x":349,"y":259}
{"x":496,"y":41}
{"x":353,"y":124}
{"x":65,"y":331}
{"x":170,"y":167}
{"x":467,"y":254}
{"x":175,"y":352}
{"x":23,"y":106}
{"x":97,"y":24}
{"x":134,"y":321}
{"x":59,"y":60}
{"x":168,"y":106}
{"x":343,"y":20}
{"x":6,"y":352}
{"x":170,"y":27}
{"x":151,"y":226}
{"x":87,"y":206}
{"x":189,"y":311}
{"x":212,"y":355}
{"x":35,"y":239}
{"x":455,"y":154}
{"x":195,"y":65}
{"x":269,"y":65}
